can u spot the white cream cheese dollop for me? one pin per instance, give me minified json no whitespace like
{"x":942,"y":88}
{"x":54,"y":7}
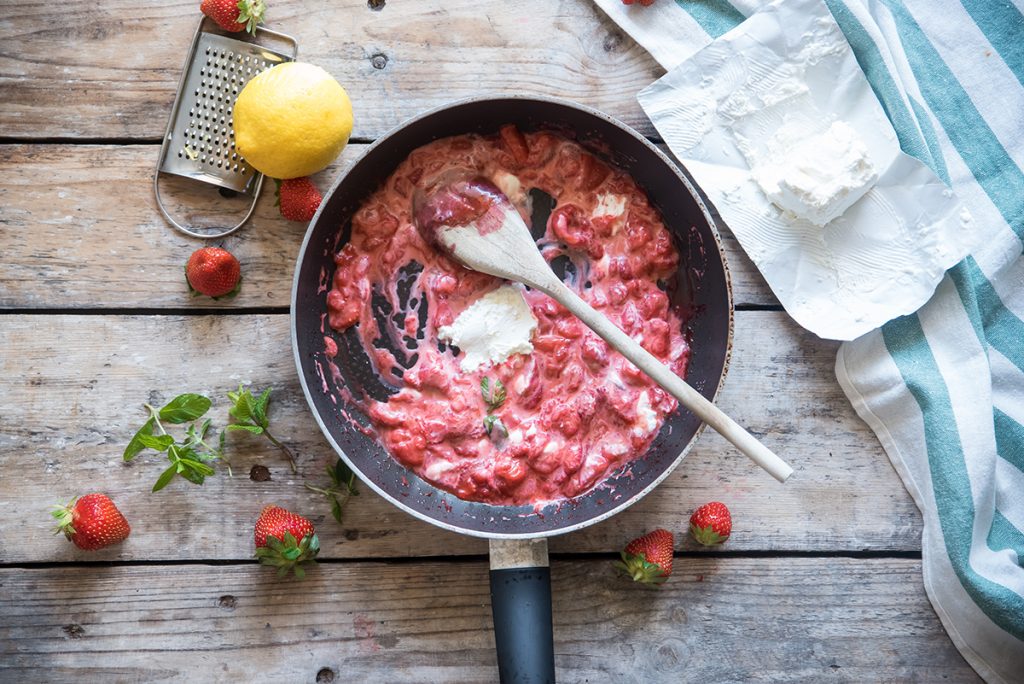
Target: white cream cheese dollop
{"x":492,"y":328}
{"x":815,"y":176}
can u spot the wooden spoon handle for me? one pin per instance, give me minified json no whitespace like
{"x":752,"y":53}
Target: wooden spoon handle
{"x":672,"y":383}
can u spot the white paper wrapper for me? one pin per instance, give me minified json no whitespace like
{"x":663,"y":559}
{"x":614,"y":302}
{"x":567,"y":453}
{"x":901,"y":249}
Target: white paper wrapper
{"x":885,"y":255}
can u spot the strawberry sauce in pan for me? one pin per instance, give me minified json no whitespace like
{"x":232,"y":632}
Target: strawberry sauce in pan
{"x":575,"y":411}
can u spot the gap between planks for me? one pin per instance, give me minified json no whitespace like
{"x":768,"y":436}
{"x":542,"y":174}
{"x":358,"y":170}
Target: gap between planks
{"x":399,"y":560}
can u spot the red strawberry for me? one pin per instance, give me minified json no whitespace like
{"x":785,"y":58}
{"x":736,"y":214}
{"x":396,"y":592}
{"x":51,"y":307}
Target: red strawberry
{"x":285,"y":541}
{"x":645,"y":3}
{"x":213,"y":272}
{"x":711,"y":524}
{"x":298,"y":198}
{"x":235,"y":15}
{"x":648,"y":559}
{"x":91,"y":522}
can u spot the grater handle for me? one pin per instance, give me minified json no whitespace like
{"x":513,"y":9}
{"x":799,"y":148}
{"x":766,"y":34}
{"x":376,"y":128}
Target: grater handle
{"x":205,"y":236}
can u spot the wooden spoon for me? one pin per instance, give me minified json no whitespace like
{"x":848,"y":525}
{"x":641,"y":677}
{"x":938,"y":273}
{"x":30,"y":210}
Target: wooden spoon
{"x":474,"y":223}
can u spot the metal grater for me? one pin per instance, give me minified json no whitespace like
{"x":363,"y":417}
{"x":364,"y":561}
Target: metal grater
{"x":199,"y":142}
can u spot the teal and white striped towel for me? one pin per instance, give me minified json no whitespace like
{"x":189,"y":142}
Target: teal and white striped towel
{"x":943,"y":388}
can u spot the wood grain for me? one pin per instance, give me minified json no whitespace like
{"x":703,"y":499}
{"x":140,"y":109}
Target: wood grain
{"x":79,"y":228}
{"x":745,"y":620}
{"x":73,"y":387}
{"x":107,"y":70}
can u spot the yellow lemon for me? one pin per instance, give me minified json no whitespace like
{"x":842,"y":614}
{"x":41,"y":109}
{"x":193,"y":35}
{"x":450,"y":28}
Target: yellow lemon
{"x":292,"y":120}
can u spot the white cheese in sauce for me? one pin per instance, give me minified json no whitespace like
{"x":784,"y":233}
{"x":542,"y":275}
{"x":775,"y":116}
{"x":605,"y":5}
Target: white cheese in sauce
{"x":609,"y":205}
{"x":492,"y":328}
{"x":647,"y":418}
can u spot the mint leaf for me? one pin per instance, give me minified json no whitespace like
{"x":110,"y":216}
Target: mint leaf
{"x":158,"y":442}
{"x":494,"y":422}
{"x":336,"y":509}
{"x":259,"y":408}
{"x":255,"y":429}
{"x":185,"y":407}
{"x":165,"y":478}
{"x":241,"y":405}
{"x":494,"y":395}
{"x":136,"y":445}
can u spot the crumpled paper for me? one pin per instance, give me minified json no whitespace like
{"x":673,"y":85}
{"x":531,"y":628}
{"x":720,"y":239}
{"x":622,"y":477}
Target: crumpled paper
{"x":886,"y":254}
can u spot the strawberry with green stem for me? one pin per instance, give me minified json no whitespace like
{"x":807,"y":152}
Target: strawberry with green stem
{"x":285,"y":541}
{"x":343,"y":485}
{"x":648,"y":559}
{"x":250,"y":414}
{"x":91,"y":522}
{"x":711,"y":524}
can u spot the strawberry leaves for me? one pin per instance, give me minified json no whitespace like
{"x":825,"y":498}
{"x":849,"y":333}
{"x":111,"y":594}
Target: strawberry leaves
{"x":189,"y":457}
{"x":288,"y":554}
{"x":343,"y":487}
{"x":494,"y":396}
{"x":250,"y":414}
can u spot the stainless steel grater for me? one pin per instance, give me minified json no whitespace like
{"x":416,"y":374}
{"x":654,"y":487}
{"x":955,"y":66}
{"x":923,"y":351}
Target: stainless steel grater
{"x":199,"y":142}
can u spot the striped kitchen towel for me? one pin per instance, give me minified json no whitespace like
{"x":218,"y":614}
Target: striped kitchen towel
{"x":943,"y":388}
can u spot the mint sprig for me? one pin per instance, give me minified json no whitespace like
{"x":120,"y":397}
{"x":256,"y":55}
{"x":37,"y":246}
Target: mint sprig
{"x":190,"y":458}
{"x":343,"y":487}
{"x":250,"y":414}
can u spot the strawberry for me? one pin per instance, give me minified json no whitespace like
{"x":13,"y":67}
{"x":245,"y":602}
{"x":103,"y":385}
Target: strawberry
{"x":645,"y":3}
{"x":648,"y":559}
{"x":711,"y":524}
{"x":298,"y":198}
{"x":235,"y":15}
{"x":285,"y":541}
{"x":213,"y":272}
{"x":91,"y":522}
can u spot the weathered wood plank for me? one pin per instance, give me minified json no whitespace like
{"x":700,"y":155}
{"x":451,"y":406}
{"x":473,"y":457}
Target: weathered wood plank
{"x":73,"y":388}
{"x":79,"y":228}
{"x":749,"y":620}
{"x":108,"y":71}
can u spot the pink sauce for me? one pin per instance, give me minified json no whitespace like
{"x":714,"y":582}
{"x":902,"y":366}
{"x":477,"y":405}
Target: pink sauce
{"x":575,"y":411}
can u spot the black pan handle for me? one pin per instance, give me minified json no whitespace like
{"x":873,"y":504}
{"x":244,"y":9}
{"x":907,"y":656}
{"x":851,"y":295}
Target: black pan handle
{"x":521,"y":605}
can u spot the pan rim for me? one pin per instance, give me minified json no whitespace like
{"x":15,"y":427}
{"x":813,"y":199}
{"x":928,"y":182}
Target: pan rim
{"x":675,"y":168}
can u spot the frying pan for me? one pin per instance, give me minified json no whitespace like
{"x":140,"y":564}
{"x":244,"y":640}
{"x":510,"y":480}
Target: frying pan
{"x":520,"y":580}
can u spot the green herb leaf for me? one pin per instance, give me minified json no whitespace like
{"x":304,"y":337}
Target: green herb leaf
{"x":157,"y":442}
{"x":250,"y":414}
{"x":336,"y":509}
{"x":248,"y":427}
{"x":494,"y":395}
{"x":165,"y":478}
{"x":241,"y":405}
{"x":494,"y":422}
{"x":259,"y":408}
{"x":136,"y":445}
{"x":185,"y":407}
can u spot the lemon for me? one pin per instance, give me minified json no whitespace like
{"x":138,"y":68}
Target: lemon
{"x":292,"y":120}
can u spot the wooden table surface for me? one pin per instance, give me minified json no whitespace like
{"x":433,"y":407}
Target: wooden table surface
{"x":820,"y":582}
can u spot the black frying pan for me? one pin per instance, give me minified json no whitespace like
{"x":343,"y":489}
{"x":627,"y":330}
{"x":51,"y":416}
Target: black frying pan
{"x":520,"y":585}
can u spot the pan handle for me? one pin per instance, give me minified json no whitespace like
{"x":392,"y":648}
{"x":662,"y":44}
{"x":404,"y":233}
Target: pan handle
{"x":521,"y":605}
